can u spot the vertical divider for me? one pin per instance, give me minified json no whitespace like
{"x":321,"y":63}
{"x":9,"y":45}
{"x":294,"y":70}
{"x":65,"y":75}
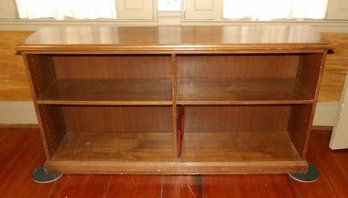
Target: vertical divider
{"x":180,"y":128}
{"x":174,"y":110}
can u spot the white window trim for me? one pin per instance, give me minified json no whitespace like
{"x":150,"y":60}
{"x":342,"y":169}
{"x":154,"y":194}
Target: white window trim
{"x":166,"y":18}
{"x":337,"y":9}
{"x":8,"y":9}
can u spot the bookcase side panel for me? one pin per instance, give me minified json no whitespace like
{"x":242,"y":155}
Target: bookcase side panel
{"x":300,"y":126}
{"x":53,"y":126}
{"x":42,"y":72}
{"x":309,"y":72}
{"x":309,"y":75}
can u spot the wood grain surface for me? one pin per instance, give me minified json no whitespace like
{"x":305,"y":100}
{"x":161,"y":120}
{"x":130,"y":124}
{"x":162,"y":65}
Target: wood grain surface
{"x":180,"y":38}
{"x":14,"y":85}
{"x":13,"y":79}
{"x":335,"y":69}
{"x":21,"y":151}
{"x":76,"y":73}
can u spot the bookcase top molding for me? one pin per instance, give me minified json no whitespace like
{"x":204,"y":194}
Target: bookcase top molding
{"x":164,"y":39}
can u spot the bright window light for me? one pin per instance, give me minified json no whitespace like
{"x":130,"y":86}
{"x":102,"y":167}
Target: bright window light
{"x":266,"y":10}
{"x":169,"y":5}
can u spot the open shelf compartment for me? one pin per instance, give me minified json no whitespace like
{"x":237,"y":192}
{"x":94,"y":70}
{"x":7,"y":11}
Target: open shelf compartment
{"x":259,"y":136}
{"x":102,"y":79}
{"x":117,"y":147}
{"x":247,"y":78}
{"x":238,"y":147}
{"x":107,"y":134}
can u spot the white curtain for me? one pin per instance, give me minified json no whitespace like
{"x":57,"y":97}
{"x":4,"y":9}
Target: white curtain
{"x":266,"y":10}
{"x":59,"y":9}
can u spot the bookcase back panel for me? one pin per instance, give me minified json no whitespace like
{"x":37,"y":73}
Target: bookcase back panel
{"x":112,"y":66}
{"x":238,"y":66}
{"x":118,"y":118}
{"x":265,"y":118}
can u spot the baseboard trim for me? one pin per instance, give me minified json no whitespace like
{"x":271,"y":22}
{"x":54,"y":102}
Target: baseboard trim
{"x":326,"y":114}
{"x":17,"y":112}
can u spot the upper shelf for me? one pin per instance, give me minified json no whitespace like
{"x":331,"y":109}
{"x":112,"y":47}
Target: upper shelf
{"x":108,"y":92}
{"x":164,"y":39}
{"x":241,"y":91}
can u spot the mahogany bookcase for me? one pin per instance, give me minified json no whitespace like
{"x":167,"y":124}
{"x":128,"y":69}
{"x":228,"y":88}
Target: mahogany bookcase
{"x":175,"y":100}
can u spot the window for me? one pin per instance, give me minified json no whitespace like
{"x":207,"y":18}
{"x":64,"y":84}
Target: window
{"x":61,"y":9}
{"x":256,"y":10}
{"x":266,"y":10}
{"x":169,"y":5}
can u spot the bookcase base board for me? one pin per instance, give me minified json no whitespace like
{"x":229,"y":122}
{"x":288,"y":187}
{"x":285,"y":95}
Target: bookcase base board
{"x":176,"y":168}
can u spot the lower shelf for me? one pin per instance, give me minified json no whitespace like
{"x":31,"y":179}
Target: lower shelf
{"x":152,"y":153}
{"x":238,"y":147}
{"x":121,"y":147}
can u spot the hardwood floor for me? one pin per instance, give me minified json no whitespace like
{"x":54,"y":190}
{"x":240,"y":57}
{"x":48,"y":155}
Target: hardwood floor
{"x":21,"y":151}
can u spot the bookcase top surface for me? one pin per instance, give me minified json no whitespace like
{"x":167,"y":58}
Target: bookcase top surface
{"x":174,"y":38}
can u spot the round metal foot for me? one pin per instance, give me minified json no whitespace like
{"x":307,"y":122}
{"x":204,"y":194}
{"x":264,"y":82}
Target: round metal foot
{"x":310,"y":176}
{"x":40,"y":175}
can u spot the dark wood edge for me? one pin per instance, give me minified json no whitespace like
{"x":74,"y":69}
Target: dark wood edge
{"x":322,"y":128}
{"x":19,"y":125}
{"x":169,"y":49}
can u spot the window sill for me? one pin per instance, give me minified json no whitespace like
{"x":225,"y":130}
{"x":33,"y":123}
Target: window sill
{"x":319,"y":25}
{"x":173,"y":18}
{"x":32,"y":25}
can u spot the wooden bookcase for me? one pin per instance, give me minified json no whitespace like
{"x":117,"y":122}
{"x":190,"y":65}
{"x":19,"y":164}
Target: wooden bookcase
{"x":175,"y":100}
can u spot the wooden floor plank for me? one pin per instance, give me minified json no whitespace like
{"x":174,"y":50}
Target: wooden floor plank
{"x":81,"y":186}
{"x":20,"y":152}
{"x":320,"y":188}
{"x":182,"y":186}
{"x":229,"y":186}
{"x":318,"y":155}
{"x":3,"y":135}
{"x":269,"y":186}
{"x":340,"y":184}
{"x":334,"y":171}
{"x":135,"y":186}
